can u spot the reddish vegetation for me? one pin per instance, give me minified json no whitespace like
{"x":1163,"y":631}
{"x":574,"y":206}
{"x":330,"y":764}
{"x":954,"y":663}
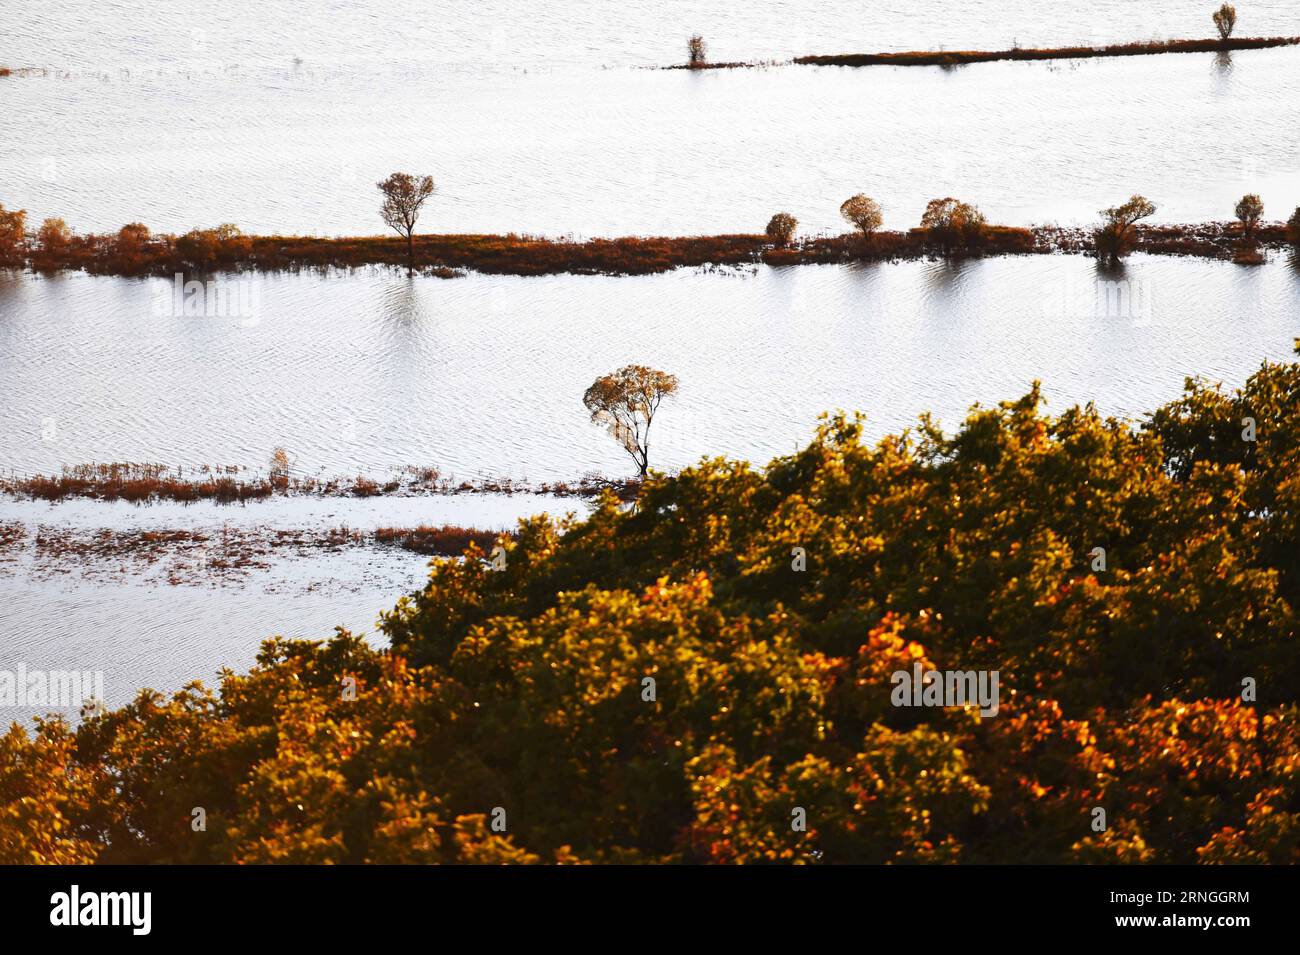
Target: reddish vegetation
{"x":913,"y":244}
{"x":180,"y":556}
{"x":136,"y":483}
{"x":143,"y":254}
{"x":448,"y":540}
{"x":518,"y":255}
{"x":1209,"y":240}
{"x":11,"y":532}
{"x":140,"y":483}
{"x":959,"y":57}
{"x":134,"y":251}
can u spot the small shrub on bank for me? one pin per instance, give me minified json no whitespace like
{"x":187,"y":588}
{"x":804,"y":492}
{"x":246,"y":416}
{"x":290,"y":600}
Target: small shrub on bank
{"x":780,"y":228}
{"x":52,"y":242}
{"x":1249,"y":210}
{"x":208,"y":250}
{"x":696,"y":52}
{"x":863,"y":213}
{"x":13,"y":236}
{"x":955,"y":226}
{"x":1225,"y":19}
{"x":1115,"y":238}
{"x":280,"y":469}
{"x":1293,"y":227}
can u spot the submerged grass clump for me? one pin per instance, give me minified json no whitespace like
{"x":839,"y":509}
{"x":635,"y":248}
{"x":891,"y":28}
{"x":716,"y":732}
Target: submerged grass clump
{"x":145,"y":483}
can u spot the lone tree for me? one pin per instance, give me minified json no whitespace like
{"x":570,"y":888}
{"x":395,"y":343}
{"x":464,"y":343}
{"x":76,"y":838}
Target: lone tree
{"x":281,"y":466}
{"x":780,"y":228}
{"x":953,"y":224}
{"x":1293,"y":227}
{"x":1250,"y":209}
{"x":625,"y":403}
{"x":696,"y":52}
{"x":404,"y":194}
{"x":863,"y":213}
{"x":1115,"y":237}
{"x":1225,"y":18}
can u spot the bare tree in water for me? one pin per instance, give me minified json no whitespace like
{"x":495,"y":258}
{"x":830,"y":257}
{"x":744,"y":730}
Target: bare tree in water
{"x":625,"y":403}
{"x":1225,"y":19}
{"x":404,"y":194}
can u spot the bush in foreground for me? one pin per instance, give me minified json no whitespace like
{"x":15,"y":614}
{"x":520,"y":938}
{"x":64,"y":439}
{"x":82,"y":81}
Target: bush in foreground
{"x":770,"y":609}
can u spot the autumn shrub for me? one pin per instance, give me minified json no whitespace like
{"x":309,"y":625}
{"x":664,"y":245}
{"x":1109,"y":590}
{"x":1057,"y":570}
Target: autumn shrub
{"x":1293,"y":227}
{"x":53,"y":239}
{"x":862,"y":212}
{"x":780,"y":228}
{"x":1225,"y":20}
{"x":280,"y":469}
{"x":1249,"y":210}
{"x":206,"y":250}
{"x":13,"y":224}
{"x":696,"y":52}
{"x":133,"y":249}
{"x":954,"y":226}
{"x":137,"y":483}
{"x":1116,"y":236}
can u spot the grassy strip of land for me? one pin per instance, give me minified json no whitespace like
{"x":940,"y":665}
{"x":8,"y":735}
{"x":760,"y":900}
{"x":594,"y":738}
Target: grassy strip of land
{"x":134,"y":251}
{"x":511,"y":254}
{"x":145,"y":483}
{"x":962,"y":57}
{"x":226,"y":250}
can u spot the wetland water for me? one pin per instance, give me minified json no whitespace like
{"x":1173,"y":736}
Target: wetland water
{"x":551,"y":123}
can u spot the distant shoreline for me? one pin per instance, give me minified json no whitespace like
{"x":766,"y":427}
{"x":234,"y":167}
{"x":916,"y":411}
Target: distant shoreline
{"x":963,"y":57}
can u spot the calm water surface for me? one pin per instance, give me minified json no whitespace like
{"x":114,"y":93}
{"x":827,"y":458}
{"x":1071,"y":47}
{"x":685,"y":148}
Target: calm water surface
{"x":281,"y":118}
{"x":139,"y":631}
{"x":484,"y":375}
